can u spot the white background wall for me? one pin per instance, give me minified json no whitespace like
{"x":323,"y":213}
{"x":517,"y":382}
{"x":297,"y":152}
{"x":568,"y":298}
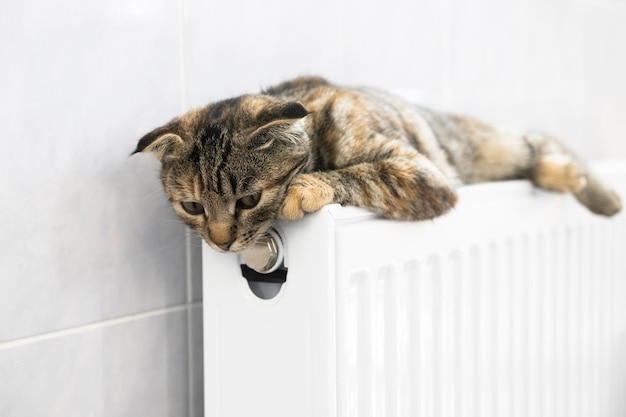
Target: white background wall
{"x":100,"y":291}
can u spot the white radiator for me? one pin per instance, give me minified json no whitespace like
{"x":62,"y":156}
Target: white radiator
{"x":512,"y":305}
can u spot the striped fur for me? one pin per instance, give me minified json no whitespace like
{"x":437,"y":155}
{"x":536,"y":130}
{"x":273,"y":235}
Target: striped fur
{"x":306,"y":143}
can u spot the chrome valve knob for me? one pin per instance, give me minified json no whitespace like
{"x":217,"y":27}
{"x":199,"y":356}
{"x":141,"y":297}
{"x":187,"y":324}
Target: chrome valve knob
{"x":266,"y":255}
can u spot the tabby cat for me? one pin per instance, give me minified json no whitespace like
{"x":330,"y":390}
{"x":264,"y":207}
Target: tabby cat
{"x":230,"y":169}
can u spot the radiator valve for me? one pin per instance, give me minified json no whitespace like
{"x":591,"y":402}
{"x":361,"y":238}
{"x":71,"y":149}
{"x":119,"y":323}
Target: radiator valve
{"x":266,"y":255}
{"x":263,"y":266}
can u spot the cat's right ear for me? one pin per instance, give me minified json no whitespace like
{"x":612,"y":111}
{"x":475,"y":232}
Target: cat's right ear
{"x":161,"y":142}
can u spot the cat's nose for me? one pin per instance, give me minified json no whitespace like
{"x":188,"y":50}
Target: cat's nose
{"x":221,"y":234}
{"x":224,"y":246}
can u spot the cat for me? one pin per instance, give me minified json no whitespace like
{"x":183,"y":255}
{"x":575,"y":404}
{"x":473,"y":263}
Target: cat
{"x":231,"y":168}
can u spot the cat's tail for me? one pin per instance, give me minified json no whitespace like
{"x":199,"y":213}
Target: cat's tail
{"x":599,"y":198}
{"x":556,"y":168}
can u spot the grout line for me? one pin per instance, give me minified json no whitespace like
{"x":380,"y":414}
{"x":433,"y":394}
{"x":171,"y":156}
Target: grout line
{"x":94,"y":326}
{"x":190,"y":368}
{"x":184,"y":103}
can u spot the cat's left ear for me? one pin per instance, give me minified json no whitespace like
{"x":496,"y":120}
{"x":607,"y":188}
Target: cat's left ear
{"x":161,"y":142}
{"x":274,"y":121}
{"x":289,"y":110}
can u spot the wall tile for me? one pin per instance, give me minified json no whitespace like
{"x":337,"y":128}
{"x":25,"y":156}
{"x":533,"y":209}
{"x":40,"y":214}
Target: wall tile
{"x":396,"y":45}
{"x":554,"y":85}
{"x":60,"y":377}
{"x":86,"y":233}
{"x":484,"y":72}
{"x":241,"y":46}
{"x":145,"y":365}
{"x":601,"y":32}
{"x":128,"y":369}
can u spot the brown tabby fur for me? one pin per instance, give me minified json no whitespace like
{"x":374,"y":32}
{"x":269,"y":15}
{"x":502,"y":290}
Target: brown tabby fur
{"x":306,"y":143}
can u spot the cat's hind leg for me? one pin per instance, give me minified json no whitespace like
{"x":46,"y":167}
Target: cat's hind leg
{"x":555,"y":168}
{"x":558,"y":172}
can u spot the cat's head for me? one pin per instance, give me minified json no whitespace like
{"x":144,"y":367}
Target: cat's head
{"x":226,"y":167}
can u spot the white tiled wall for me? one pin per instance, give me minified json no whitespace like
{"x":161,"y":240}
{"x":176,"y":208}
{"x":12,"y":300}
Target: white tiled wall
{"x":98,"y":308}
{"x":100,"y":292}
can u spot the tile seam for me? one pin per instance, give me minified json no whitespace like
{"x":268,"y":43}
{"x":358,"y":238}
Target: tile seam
{"x":94,"y":326}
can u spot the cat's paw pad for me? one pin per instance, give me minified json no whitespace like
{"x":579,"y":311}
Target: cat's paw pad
{"x":306,"y":194}
{"x":559,"y":173}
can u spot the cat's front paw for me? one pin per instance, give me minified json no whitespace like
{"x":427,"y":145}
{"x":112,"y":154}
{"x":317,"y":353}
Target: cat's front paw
{"x":306,"y":194}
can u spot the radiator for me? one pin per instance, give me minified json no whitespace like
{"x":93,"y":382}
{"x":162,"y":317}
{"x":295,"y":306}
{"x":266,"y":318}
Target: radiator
{"x":512,"y":305}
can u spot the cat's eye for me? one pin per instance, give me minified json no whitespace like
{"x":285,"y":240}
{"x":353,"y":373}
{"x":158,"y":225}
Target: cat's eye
{"x":192,"y":207}
{"x":249,"y":201}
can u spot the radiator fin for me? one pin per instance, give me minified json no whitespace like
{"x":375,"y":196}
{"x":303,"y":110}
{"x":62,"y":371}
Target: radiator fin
{"x":522,"y":326}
